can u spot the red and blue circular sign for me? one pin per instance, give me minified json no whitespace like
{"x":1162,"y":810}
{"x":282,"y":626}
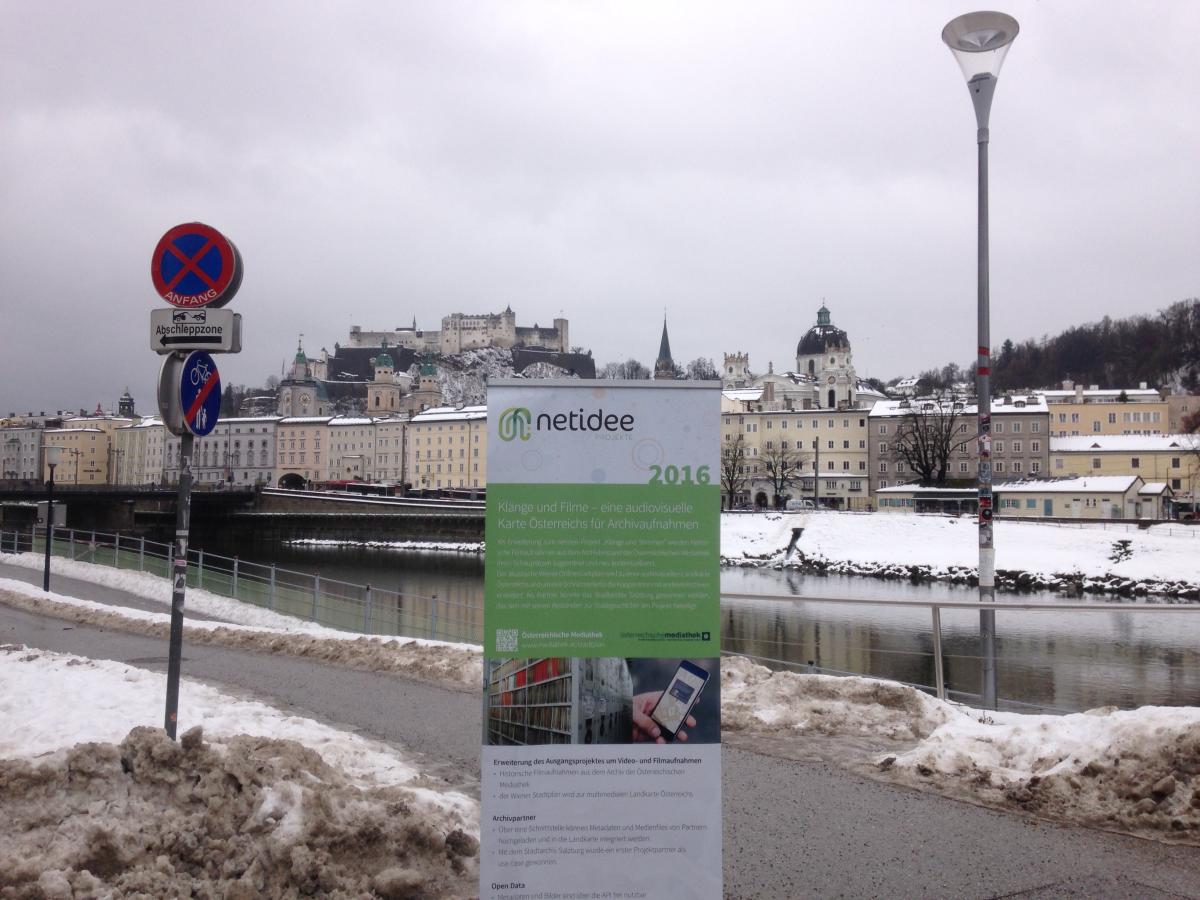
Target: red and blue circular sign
{"x":194,"y":265}
{"x":200,"y":393}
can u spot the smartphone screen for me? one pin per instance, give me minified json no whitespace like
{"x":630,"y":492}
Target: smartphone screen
{"x":679,"y":697}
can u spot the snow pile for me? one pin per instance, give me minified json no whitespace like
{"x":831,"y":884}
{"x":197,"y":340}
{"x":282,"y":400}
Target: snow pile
{"x":1136,"y":770}
{"x":440,"y":661}
{"x":289,"y":807}
{"x":755,"y":698}
{"x":1088,"y":558}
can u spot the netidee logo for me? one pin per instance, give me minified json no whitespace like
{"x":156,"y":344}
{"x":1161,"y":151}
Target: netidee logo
{"x":517,"y":422}
{"x":514,"y":423}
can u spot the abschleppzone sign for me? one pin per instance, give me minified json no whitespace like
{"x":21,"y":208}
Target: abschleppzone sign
{"x":602,"y":756}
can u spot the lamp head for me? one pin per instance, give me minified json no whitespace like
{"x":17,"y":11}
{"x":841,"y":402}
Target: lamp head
{"x":53,"y":456}
{"x":979,"y":41}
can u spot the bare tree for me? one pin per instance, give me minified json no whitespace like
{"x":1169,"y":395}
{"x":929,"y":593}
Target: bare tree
{"x":733,"y":470}
{"x":701,"y":369}
{"x":784,"y":467}
{"x":927,"y":434}
{"x":630,"y":369}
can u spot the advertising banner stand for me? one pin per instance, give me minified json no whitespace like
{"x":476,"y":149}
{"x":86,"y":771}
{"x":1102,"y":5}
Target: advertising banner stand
{"x":601,"y":700}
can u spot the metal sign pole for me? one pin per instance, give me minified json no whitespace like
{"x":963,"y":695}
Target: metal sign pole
{"x":183,"y":514}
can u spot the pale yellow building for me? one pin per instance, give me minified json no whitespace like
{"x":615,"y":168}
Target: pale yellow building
{"x":1087,"y":497}
{"x":1170,"y":458}
{"x":86,"y":445}
{"x":1077,"y":411}
{"x":351,"y":455}
{"x":301,"y":450}
{"x":139,"y":452}
{"x":390,"y":438}
{"x":833,"y":442}
{"x":447,"y":448}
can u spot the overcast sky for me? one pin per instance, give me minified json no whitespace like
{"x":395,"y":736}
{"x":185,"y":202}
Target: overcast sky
{"x":732,"y":164}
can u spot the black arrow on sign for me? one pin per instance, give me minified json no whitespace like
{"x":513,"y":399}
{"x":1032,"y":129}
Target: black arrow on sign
{"x":183,"y":339}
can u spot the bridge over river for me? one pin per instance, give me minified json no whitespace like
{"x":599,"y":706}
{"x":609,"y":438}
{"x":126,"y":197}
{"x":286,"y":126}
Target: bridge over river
{"x":262,"y":518}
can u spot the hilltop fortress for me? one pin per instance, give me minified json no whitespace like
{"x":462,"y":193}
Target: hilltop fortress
{"x":461,"y":332}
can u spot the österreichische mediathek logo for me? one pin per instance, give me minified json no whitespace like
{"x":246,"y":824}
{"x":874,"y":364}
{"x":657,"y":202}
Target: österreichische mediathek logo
{"x":515,"y":423}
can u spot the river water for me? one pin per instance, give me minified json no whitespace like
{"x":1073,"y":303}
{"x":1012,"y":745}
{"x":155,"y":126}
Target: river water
{"x":1066,"y":660}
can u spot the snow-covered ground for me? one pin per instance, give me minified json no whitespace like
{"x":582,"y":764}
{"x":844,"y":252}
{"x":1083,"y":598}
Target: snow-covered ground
{"x":1163,"y":553}
{"x":262,"y":801}
{"x":251,"y":802}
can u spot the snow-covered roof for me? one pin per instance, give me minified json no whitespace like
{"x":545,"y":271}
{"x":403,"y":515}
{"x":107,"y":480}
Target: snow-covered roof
{"x":339,"y":421}
{"x":1124,"y":443}
{"x":914,"y":488}
{"x":1091,"y":484}
{"x":450,"y":414}
{"x":901,"y":408}
{"x":1153,"y":487}
{"x":303,"y":420}
{"x":1105,"y":395}
{"x":744,"y":395}
{"x":1019,"y":404}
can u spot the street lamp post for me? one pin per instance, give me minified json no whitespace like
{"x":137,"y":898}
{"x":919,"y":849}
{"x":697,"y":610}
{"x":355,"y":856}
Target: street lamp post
{"x":52,"y":457}
{"x":979,"y":42}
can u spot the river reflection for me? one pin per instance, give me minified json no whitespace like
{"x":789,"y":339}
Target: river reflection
{"x":1069,"y":660}
{"x":1057,"y":660}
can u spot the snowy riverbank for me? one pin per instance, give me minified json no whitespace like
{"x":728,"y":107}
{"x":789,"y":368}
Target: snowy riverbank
{"x":1135,"y":771}
{"x":1100,"y":558}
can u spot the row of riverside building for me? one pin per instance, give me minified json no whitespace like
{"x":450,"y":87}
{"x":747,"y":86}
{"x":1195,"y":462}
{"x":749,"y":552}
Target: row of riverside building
{"x":848,"y":456}
{"x":438,"y":448}
{"x":1051,"y":450}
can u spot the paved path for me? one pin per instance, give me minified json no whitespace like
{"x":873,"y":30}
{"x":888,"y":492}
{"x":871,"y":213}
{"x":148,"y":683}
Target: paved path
{"x":793,"y":828}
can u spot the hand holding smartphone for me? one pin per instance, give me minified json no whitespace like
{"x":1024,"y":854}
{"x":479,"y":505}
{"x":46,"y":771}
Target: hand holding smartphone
{"x":670,"y":710}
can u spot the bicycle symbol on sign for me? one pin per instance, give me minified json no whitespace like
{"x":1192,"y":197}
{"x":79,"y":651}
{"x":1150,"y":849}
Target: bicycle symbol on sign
{"x":200,"y":374}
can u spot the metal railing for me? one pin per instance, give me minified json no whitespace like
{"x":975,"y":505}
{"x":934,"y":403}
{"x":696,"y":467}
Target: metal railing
{"x":364,"y":609}
{"x":342,"y":605}
{"x":936,"y":655}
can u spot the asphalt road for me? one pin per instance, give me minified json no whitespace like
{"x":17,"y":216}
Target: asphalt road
{"x":793,"y":828}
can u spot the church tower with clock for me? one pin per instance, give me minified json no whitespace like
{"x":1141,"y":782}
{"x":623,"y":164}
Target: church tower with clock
{"x":301,"y":394}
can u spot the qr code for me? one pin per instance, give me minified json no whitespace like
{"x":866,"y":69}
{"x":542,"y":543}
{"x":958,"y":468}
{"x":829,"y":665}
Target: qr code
{"x":506,"y":640}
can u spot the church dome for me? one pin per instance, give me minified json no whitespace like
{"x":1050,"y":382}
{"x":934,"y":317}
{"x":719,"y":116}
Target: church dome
{"x":383,"y":360}
{"x":822,"y":337}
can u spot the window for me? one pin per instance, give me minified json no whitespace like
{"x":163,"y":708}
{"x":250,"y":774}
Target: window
{"x":962,"y":467}
{"x":883,"y":447}
{"x":999,"y":467}
{"x":1016,"y":466}
{"x":899,"y":467}
{"x":846,"y":465}
{"x":1135,"y":462}
{"x":1035,"y":446}
{"x":1175,"y":483}
{"x":1016,"y":427}
{"x":862,"y":465}
{"x":1095,"y":426}
{"x":999,"y":446}
{"x":1016,"y":446}
{"x":1035,"y":466}
{"x":883,"y":429}
{"x":1035,"y":427}
{"x":883,"y":467}
{"x":1174,"y":462}
{"x":1058,"y":462}
{"x":1074,"y":418}
{"x":998,"y":428}
{"x":1031,"y":502}
{"x":1095,"y":462}
{"x":883,"y":484}
{"x":1112,"y":419}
